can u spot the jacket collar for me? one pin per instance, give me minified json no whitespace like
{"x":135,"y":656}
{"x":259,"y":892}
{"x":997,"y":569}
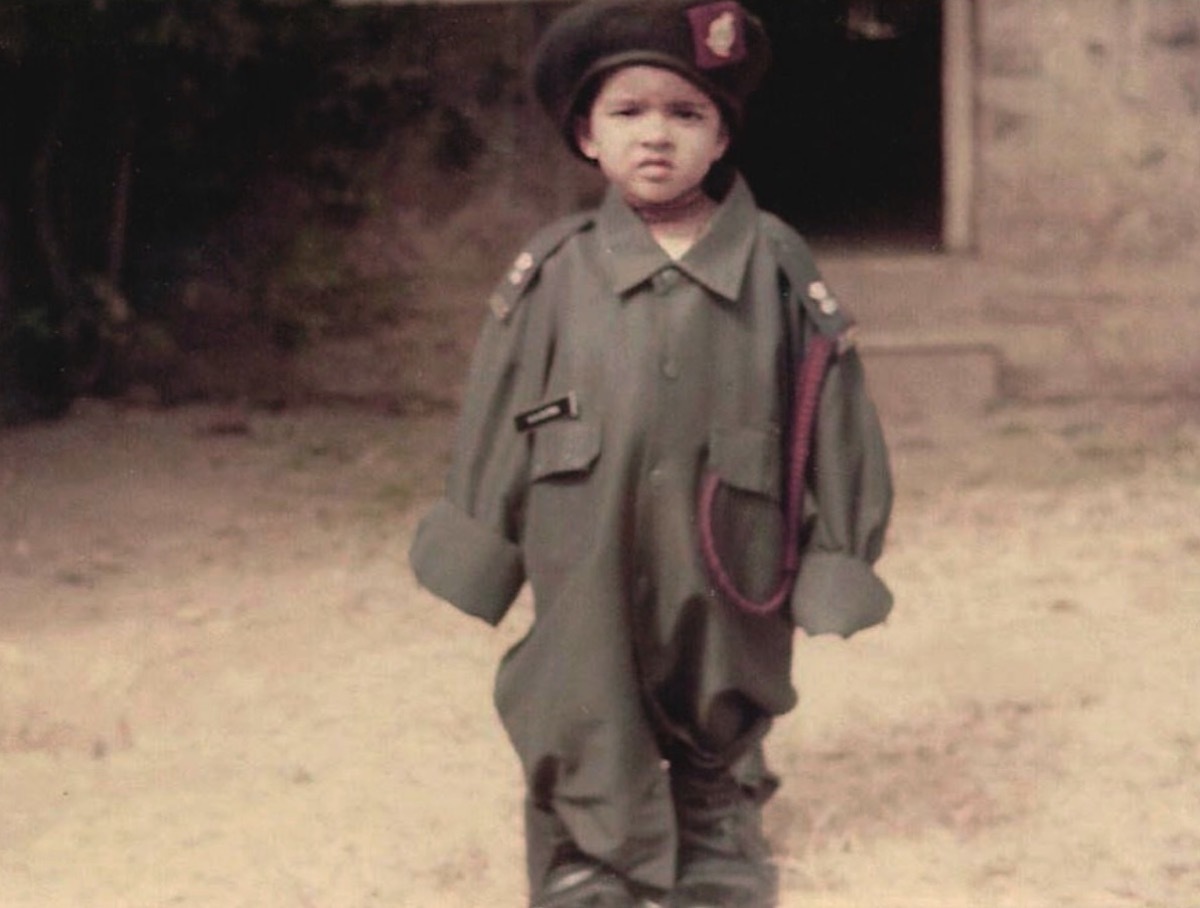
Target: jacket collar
{"x":717,"y":260}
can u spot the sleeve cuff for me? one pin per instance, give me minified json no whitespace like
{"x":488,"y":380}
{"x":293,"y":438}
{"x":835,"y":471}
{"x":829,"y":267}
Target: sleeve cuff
{"x":461,"y":560}
{"x":838,"y":594}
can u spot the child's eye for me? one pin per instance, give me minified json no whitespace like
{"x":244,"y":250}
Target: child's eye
{"x":688,"y":113}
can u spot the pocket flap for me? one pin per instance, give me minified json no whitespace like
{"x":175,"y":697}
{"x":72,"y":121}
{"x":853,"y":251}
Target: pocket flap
{"x":564,"y":447}
{"x":747,"y":458}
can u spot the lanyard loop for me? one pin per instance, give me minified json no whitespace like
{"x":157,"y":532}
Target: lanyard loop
{"x":809,"y":380}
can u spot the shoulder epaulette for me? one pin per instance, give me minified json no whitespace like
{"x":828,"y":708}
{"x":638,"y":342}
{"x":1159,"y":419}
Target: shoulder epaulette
{"x":529,"y":261}
{"x":807,"y":287}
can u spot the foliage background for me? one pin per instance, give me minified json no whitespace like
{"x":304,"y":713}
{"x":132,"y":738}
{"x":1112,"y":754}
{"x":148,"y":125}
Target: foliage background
{"x":184,"y":177}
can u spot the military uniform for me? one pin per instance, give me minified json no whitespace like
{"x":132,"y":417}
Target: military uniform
{"x":626,"y":448}
{"x":608,"y":380}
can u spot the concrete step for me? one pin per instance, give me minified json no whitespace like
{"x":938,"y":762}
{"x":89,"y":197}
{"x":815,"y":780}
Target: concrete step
{"x":927,"y":382}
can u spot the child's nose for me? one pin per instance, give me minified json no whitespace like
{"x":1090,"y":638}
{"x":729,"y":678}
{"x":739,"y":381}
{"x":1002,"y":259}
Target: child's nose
{"x":656,"y":130}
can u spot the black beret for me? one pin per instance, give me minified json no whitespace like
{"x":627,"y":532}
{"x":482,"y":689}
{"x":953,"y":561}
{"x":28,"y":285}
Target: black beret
{"x":717,"y":45}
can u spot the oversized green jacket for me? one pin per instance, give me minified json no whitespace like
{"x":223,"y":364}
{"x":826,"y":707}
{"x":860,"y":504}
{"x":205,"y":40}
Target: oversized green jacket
{"x":607,"y":381}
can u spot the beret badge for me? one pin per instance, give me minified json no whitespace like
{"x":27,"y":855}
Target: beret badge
{"x":718,"y":34}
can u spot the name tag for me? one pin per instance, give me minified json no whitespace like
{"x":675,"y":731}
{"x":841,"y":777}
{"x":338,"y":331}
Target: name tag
{"x":560,"y":408}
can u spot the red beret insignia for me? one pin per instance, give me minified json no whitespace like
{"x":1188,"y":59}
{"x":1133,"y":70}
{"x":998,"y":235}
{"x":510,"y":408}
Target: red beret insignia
{"x":718,"y":33}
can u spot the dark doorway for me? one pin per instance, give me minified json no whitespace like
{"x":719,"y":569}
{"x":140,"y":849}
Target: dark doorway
{"x":844,"y":141}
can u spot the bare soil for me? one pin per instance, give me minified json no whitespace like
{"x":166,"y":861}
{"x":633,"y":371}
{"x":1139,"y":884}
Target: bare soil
{"x":220,"y":686}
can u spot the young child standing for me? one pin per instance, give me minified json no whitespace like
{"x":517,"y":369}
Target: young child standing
{"x":666,"y":434}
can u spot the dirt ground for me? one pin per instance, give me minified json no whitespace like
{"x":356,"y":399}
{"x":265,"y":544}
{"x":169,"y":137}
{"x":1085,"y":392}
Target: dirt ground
{"x":219,"y":685}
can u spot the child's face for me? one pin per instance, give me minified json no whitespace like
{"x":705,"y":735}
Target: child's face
{"x":653,"y":133}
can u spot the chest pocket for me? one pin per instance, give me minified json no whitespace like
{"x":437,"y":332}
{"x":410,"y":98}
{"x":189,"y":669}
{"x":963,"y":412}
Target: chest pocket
{"x":558,"y":528}
{"x":748,"y":459}
{"x":564,"y":449}
{"x":741,"y":520}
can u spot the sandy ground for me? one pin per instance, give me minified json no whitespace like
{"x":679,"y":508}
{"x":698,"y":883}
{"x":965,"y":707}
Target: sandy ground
{"x":219,"y":685}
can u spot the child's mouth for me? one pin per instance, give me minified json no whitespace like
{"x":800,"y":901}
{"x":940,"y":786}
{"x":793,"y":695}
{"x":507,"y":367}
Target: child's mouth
{"x":655,"y":167}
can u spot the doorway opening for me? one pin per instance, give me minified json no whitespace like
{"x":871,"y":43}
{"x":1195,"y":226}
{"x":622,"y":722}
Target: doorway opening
{"x":845,"y":138}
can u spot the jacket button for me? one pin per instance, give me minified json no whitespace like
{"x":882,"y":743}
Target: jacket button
{"x":664,"y":281}
{"x":641,"y":586}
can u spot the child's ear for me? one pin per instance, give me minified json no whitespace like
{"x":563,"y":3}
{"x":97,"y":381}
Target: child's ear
{"x":724,"y":138}
{"x":583,"y":138}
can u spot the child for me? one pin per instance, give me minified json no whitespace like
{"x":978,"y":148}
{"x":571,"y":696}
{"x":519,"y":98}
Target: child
{"x":635,"y":443}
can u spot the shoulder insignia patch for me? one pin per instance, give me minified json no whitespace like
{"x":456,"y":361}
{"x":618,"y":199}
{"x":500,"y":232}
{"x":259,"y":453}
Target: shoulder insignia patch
{"x":808,"y":288}
{"x":823,"y":308}
{"x":500,"y":305}
{"x":525,"y":266}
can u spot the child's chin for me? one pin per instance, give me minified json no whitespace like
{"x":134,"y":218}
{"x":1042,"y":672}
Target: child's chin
{"x":664,"y":197}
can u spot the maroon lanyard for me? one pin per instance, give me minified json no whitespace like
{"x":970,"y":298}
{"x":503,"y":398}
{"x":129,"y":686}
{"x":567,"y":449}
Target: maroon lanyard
{"x":807,"y":394}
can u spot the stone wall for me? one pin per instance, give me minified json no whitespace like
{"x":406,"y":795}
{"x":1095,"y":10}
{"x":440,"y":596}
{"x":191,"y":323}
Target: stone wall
{"x":1089,"y":180}
{"x":1090,"y":128}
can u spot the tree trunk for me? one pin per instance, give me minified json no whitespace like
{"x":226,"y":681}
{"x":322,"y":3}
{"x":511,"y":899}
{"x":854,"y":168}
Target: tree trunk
{"x":118,"y":230}
{"x":45,"y":226}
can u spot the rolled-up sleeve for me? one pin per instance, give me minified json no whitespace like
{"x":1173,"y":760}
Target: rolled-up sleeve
{"x":465,"y":562}
{"x":467,"y":549}
{"x":838,"y":591}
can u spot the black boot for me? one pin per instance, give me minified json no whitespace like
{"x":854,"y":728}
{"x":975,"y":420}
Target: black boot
{"x":724,"y":859}
{"x":575,"y":880}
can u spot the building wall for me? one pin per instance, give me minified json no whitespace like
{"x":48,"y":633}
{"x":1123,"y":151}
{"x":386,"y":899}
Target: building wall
{"x":1088,"y":175}
{"x":1090,"y":127}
